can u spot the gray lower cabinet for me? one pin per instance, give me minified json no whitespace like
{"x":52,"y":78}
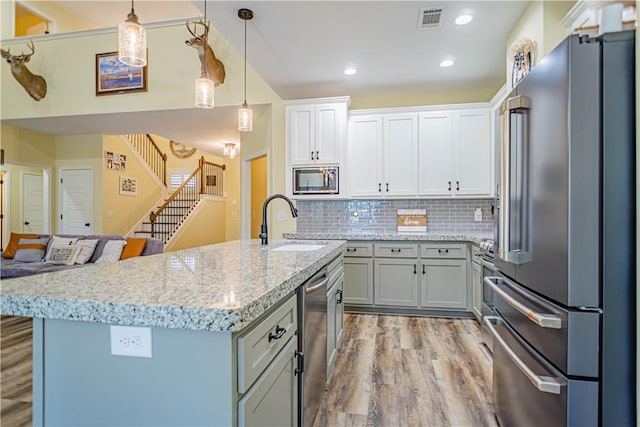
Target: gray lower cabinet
{"x":272,"y":401}
{"x":396,"y":282}
{"x":444,"y":276}
{"x":358,"y":281}
{"x":335,"y":319}
{"x":476,"y":290}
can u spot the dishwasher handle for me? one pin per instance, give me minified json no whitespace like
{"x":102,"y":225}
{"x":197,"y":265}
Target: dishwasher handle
{"x":316,"y":282}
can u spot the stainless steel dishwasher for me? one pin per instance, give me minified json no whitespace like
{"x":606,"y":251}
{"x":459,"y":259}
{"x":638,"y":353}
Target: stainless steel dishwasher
{"x":312,"y":346}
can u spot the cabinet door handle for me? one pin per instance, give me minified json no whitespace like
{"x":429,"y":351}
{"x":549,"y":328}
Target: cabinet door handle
{"x":300,"y":368}
{"x":443,"y":251}
{"x":339,"y":296}
{"x":415,"y":269}
{"x":279,"y":333}
{"x":317,"y":155}
{"x":448,"y":181}
{"x":396,"y":250}
{"x":87,"y":224}
{"x":457,"y":185}
{"x":423,"y":272}
{"x":379,"y":187}
{"x":312,"y":156}
{"x":387,"y":186}
{"x":26,"y":223}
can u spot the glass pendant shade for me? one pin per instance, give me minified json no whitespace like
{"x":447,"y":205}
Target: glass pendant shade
{"x":132,"y":42}
{"x":245,"y":118}
{"x":232,"y":152}
{"x":204,"y":92}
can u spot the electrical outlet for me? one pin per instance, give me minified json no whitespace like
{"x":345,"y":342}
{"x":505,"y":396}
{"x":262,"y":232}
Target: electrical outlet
{"x":282,"y":215}
{"x":130,"y":341}
{"x":477,"y":216}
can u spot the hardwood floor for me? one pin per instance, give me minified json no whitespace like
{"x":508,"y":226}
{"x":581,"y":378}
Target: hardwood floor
{"x":15,"y":371}
{"x":390,"y":371}
{"x":409,"y":371}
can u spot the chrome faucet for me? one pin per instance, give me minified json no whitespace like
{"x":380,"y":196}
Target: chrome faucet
{"x":263,"y":227}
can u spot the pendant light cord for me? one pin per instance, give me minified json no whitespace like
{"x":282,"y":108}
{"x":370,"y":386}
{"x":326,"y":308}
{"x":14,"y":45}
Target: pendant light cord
{"x":245,"y":63}
{"x":205,"y":42}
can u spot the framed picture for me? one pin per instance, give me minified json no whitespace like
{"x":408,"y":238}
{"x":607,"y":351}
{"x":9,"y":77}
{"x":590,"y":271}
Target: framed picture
{"x":128,"y":186}
{"x":113,"y":77}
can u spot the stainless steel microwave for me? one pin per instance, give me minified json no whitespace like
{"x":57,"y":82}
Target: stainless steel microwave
{"x":316,"y":180}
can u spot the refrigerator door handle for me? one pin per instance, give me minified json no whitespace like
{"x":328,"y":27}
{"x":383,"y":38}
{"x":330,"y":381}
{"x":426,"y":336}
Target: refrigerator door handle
{"x":543,"y":383}
{"x":513,"y":107}
{"x":543,"y":320}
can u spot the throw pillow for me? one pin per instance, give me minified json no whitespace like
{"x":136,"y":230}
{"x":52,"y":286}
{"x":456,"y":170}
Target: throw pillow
{"x":112,"y":251}
{"x":57,"y":241}
{"x":65,"y":255}
{"x":31,"y":250}
{"x":12,"y":247}
{"x":86,"y":246}
{"x":134,"y":247}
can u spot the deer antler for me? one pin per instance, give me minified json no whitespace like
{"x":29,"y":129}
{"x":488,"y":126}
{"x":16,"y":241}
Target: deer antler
{"x":5,"y":53}
{"x":32,"y":48}
{"x":189,"y":28}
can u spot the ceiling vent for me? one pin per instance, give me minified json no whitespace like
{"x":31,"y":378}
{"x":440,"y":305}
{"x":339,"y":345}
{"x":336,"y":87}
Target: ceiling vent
{"x":430,"y":17}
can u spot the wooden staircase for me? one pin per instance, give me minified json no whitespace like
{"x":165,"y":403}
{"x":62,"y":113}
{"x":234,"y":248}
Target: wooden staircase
{"x":166,"y":219}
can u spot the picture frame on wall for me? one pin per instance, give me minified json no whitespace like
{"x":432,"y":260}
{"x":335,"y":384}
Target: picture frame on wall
{"x":128,"y":186}
{"x":114,"y":78}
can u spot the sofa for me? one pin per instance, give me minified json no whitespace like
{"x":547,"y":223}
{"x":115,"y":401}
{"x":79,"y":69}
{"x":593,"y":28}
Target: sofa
{"x":10,"y":268}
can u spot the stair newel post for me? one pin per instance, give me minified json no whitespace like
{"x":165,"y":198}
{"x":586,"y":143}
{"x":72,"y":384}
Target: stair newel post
{"x":201,"y":168}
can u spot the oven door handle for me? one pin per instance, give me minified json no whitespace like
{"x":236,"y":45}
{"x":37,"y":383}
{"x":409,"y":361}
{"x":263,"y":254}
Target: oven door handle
{"x":543,"y":383}
{"x":544,"y":320}
{"x":488,"y":265}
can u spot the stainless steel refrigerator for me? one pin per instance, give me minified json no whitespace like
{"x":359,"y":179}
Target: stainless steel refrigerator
{"x":564,"y":334}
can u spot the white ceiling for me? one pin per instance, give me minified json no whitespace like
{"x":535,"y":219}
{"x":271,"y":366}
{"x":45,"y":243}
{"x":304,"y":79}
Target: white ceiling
{"x":301,"y":48}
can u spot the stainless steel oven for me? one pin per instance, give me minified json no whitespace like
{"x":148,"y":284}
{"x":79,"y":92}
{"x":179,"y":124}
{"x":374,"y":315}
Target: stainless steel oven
{"x":316,"y":180}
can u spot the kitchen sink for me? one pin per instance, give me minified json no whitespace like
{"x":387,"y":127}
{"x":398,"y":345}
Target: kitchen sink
{"x":298,"y":248}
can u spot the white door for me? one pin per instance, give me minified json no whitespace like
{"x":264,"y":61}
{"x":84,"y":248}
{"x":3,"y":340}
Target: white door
{"x":472,"y":132}
{"x":400,"y":150}
{"x":435,"y":150}
{"x":76,"y":201}
{"x":32,"y":203}
{"x":365,"y":156}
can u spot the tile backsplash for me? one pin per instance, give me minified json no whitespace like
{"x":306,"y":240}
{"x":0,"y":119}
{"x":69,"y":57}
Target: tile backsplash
{"x":380,"y":216}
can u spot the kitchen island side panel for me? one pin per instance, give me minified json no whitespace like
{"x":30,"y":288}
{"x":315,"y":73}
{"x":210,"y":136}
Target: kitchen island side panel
{"x":187,"y":381}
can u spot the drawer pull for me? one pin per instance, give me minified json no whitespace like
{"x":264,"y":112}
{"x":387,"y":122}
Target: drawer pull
{"x":396,"y":250}
{"x":351,"y":249}
{"x":443,"y":251}
{"x":279,"y":333}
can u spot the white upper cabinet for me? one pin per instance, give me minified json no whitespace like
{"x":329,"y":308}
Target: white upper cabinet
{"x":382,"y":155}
{"x":455,"y":153}
{"x":316,"y":132}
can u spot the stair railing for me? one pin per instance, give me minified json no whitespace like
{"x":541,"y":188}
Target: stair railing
{"x":151,"y":153}
{"x":206,"y":179}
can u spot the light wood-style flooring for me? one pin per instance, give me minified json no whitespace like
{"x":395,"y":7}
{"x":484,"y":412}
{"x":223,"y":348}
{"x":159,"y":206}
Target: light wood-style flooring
{"x":390,"y":371}
{"x":409,"y":371}
{"x":15,"y":371}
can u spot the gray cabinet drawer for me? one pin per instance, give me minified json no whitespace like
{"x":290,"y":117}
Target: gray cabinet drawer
{"x":359,"y":249}
{"x":443,"y":250}
{"x":396,"y":250}
{"x":256,"y":349}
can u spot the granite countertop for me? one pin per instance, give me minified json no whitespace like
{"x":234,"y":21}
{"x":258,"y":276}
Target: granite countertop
{"x":473,"y":238}
{"x":221,"y":287}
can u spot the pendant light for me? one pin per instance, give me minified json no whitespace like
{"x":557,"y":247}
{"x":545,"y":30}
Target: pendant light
{"x":204,"y":85}
{"x":132,"y":41}
{"x":245,"y":115}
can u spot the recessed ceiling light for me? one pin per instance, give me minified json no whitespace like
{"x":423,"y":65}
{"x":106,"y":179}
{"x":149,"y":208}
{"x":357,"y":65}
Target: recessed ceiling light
{"x":464,"y":19}
{"x":446,"y":63}
{"x":350,"y":71}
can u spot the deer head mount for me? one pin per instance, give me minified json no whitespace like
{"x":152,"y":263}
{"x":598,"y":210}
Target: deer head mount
{"x":212,"y":65}
{"x":35,"y":85}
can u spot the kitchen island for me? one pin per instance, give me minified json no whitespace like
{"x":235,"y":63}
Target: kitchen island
{"x":208,"y":309}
